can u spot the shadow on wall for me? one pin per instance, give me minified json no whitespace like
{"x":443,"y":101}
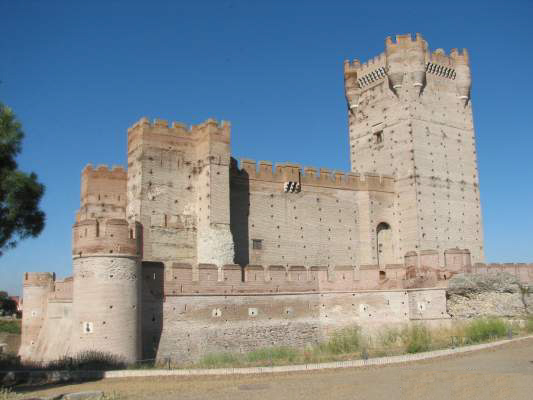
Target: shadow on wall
{"x":153,"y":278}
{"x":239,"y":213}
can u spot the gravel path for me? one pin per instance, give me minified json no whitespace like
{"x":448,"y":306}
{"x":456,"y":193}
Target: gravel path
{"x":505,"y":372}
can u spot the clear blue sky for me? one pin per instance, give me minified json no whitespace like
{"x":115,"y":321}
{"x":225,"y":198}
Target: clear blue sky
{"x":79,"y":73}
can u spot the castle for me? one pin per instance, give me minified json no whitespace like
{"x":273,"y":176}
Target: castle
{"x":188,"y":251}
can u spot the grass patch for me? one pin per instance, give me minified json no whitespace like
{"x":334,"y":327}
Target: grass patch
{"x":220,"y":360}
{"x":344,"y":341}
{"x":529,"y":324}
{"x":417,"y":339}
{"x":485,"y":329}
{"x":282,"y":354}
{"x":10,"y":326}
{"x":351,"y":344}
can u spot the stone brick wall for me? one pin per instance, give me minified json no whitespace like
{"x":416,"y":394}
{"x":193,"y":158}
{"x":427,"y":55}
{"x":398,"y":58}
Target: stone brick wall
{"x":327,"y":222}
{"x":195,"y":325}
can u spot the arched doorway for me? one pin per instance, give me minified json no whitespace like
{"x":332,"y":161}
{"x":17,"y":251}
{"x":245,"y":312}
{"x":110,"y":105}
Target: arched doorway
{"x":385,"y":253}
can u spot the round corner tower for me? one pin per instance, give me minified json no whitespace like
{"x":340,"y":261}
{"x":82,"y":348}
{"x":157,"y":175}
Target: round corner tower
{"x":106,"y":267}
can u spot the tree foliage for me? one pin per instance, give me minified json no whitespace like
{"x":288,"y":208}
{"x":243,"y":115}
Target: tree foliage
{"x":7,"y":305}
{"x":20,"y":192}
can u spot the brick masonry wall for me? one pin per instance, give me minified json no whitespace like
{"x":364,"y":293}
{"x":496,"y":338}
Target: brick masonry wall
{"x":322,"y":224}
{"x":106,"y":305}
{"x":415,"y":123}
{"x":196,"y":325}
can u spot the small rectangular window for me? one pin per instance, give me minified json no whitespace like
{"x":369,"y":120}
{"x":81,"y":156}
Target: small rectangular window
{"x":257,"y":244}
{"x":378,"y":137}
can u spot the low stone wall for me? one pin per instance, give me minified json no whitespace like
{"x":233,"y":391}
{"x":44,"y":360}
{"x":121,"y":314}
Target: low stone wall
{"x":192,"y":326}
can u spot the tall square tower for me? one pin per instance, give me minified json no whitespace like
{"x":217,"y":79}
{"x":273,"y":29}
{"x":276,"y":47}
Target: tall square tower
{"x":410,"y":116}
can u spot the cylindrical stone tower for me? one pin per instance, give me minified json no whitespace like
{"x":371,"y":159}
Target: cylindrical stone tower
{"x":37,"y":287}
{"x":106,"y":292}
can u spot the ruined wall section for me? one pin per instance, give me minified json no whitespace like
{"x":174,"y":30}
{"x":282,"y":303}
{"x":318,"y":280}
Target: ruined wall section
{"x":178,"y":189}
{"x":523,"y":272}
{"x":410,"y":116}
{"x":37,"y":287}
{"x":215,"y":241}
{"x":324,"y":222}
{"x":162,"y":175}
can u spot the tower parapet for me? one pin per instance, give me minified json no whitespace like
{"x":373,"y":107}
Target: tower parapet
{"x":103,"y":192}
{"x":108,"y":236}
{"x":160,"y":134}
{"x":406,"y":55}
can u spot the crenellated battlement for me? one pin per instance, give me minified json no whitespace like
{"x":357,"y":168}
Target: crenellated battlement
{"x":62,"y":290}
{"x":522,"y":271}
{"x":209,"y":279}
{"x":455,"y":57}
{"x":109,"y":236}
{"x":362,"y":68}
{"x":97,"y":184}
{"x":103,"y":169}
{"x":405,"y":41}
{"x":311,"y":176}
{"x":180,"y":130}
{"x":42,"y":279}
{"x":103,"y":192}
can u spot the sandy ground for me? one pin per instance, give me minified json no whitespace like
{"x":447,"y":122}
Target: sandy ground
{"x":505,"y":372}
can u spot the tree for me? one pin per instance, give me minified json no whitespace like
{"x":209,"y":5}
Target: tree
{"x":20,"y":193}
{"x":7,"y":305}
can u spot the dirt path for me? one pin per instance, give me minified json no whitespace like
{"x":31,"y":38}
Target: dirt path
{"x":505,"y":372}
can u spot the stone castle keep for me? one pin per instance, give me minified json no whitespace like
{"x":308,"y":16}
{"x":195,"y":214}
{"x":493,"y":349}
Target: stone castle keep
{"x":188,"y":252}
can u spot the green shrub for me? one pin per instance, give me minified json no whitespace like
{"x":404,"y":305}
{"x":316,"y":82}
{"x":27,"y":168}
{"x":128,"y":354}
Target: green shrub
{"x":10,"y":327}
{"x":274,"y":354}
{"x":484,"y":329}
{"x":345,"y":341}
{"x":389,"y":337}
{"x":417,"y":338}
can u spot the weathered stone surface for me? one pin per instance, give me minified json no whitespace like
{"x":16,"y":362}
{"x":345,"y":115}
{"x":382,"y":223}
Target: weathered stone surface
{"x":496,"y":294}
{"x":500,"y":282}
